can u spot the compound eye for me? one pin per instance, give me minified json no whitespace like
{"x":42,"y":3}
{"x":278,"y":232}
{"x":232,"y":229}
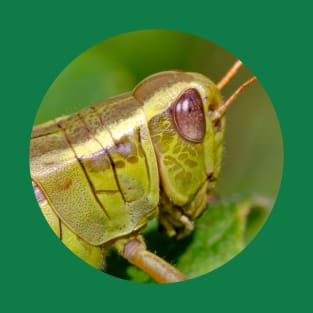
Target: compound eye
{"x":189,"y":116}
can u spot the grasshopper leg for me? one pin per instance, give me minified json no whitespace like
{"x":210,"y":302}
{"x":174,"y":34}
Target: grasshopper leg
{"x":135,"y":251}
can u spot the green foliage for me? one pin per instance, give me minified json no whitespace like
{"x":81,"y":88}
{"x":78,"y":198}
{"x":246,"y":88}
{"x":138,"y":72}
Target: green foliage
{"x":223,"y":230}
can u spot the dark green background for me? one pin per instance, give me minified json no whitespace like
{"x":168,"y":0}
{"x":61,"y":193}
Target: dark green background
{"x":39,"y":40}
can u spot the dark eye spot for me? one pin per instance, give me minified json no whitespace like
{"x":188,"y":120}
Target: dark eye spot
{"x":218,"y":125}
{"x":189,"y":116}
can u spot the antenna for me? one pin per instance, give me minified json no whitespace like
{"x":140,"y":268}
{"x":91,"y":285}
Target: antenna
{"x":229,"y":75}
{"x":223,"y":82}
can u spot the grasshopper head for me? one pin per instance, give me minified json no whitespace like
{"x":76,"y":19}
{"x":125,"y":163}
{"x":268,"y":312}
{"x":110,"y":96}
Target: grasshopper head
{"x":187,"y":142}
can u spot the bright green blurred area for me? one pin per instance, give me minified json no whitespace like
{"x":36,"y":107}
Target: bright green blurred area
{"x":253,"y":155}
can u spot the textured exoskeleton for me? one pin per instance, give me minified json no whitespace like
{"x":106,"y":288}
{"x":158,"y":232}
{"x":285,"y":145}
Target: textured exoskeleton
{"x":101,"y":174}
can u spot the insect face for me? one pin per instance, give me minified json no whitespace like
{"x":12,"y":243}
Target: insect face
{"x":188,"y":145}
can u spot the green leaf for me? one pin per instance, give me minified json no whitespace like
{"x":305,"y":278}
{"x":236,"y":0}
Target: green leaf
{"x":223,"y":230}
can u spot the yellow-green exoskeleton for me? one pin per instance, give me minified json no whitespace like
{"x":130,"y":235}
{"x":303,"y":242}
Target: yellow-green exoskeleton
{"x":101,"y":174}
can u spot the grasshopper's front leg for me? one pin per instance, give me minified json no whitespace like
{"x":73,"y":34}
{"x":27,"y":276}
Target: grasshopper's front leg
{"x":135,"y":251}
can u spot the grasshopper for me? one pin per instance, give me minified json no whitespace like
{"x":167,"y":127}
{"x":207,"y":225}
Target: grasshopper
{"x":101,"y":174}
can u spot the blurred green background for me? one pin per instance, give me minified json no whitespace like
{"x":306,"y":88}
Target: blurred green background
{"x":253,"y":157}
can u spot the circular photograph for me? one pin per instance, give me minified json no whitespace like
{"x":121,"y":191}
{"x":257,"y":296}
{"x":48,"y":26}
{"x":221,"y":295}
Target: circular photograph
{"x":156,"y":156}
